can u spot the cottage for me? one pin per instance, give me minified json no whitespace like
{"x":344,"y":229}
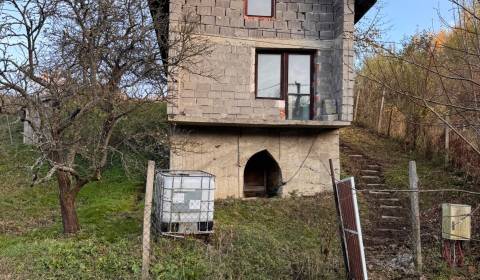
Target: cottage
{"x":267,"y":121}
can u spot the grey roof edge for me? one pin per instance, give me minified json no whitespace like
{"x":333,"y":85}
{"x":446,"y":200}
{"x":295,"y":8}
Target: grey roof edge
{"x":362,"y":7}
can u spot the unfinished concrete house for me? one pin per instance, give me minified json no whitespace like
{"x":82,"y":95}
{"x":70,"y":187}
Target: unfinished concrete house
{"x":267,"y":120}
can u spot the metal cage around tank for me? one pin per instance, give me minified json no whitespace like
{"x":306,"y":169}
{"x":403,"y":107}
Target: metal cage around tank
{"x":183,"y":202}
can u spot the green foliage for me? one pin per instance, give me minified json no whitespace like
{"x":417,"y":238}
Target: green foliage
{"x":262,"y":239}
{"x":185,"y":260}
{"x":143,"y":136}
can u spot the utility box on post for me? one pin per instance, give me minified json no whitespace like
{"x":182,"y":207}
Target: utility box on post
{"x":183,"y":202}
{"x":456,"y":221}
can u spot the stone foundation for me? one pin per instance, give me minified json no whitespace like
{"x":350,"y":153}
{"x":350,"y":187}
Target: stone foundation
{"x":301,"y":154}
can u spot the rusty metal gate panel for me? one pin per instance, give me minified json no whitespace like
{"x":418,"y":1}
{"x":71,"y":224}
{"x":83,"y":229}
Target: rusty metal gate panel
{"x":352,"y":231}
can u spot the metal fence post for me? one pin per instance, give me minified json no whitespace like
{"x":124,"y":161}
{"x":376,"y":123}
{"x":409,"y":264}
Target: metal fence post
{"x":340,"y":222}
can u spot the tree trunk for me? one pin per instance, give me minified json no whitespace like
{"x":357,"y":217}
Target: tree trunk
{"x":67,"y":204}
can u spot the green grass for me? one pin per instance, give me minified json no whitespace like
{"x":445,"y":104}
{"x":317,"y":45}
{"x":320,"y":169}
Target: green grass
{"x":261,"y":239}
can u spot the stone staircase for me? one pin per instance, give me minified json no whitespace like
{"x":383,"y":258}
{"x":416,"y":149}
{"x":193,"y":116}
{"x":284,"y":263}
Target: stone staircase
{"x":384,"y":215}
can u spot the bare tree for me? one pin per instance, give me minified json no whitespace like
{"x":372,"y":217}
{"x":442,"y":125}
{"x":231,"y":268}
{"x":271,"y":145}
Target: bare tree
{"x":434,"y":80}
{"x":79,"y":67}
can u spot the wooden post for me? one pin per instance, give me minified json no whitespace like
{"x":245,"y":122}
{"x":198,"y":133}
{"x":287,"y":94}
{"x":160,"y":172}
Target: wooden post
{"x":9,"y":131}
{"x":380,"y":113}
{"x":390,"y":122}
{"x":147,"y":220}
{"x":341,"y":230}
{"x":415,"y":214}
{"x":447,"y":142}
{"x":357,"y":100}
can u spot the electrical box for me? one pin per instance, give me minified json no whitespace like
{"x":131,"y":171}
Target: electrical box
{"x":456,"y":221}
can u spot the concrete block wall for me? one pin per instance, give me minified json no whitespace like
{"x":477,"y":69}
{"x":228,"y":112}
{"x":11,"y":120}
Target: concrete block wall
{"x":226,"y":87}
{"x":344,"y":74}
{"x":302,"y":156}
{"x":294,"y":19}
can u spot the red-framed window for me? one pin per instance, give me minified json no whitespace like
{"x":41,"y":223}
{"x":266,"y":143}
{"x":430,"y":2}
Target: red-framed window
{"x":260,"y":8}
{"x":287,"y":75}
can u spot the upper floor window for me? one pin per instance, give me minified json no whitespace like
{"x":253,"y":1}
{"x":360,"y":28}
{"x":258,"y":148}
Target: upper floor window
{"x":260,"y":8}
{"x":269,"y":70}
{"x":287,"y":75}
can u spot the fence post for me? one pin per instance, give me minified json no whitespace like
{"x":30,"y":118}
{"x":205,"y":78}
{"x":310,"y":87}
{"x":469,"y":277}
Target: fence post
{"x":380,"y":113}
{"x":447,"y":141}
{"x":390,"y":122}
{"x":341,"y":230}
{"x":357,"y":100}
{"x":147,"y":220}
{"x":9,"y":131}
{"x":415,"y":214}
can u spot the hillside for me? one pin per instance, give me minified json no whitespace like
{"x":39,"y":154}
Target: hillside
{"x":388,"y":241}
{"x":261,"y":239}
{"x":257,"y":239}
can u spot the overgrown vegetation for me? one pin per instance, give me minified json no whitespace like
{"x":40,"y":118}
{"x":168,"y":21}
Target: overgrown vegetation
{"x":433,"y":176}
{"x":425,"y":91}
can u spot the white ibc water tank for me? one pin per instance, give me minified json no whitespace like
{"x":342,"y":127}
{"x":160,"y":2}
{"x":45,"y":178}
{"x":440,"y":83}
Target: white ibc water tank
{"x":184,"y":202}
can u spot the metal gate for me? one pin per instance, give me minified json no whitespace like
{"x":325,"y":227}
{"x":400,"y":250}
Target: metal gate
{"x":351,"y":230}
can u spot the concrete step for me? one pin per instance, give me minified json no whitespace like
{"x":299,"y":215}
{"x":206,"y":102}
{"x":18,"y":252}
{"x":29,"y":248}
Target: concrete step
{"x":376,"y":243}
{"x":369,"y":179}
{"x":377,"y":193}
{"x":389,"y":199}
{"x":388,"y":202}
{"x":393,"y":218}
{"x":393,"y":224}
{"x":390,"y":230}
{"x":369,"y":172}
{"x":374,"y":166}
{"x":356,"y":156}
{"x":396,"y":225}
{"x":394,"y":212}
{"x":391,"y":207}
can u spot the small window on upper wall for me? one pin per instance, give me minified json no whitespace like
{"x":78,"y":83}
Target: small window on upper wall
{"x":260,"y":8}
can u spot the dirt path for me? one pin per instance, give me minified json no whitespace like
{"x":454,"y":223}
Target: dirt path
{"x":385,"y":218}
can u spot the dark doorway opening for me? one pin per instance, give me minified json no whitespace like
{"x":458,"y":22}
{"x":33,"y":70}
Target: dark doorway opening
{"x":262,"y":176}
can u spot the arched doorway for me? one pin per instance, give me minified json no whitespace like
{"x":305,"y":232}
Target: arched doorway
{"x":262,"y":176}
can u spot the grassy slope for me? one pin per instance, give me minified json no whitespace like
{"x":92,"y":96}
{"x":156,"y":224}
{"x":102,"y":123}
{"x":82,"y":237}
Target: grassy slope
{"x":432,"y":175}
{"x":262,"y":239}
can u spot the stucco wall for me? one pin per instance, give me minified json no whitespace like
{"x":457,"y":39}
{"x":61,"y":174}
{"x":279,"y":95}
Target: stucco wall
{"x":229,"y":90}
{"x":301,"y":154}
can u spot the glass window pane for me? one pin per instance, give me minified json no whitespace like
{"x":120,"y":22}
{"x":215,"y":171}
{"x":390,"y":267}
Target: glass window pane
{"x":268,"y":75}
{"x":299,"y":87}
{"x":298,"y":107}
{"x":259,"y":8}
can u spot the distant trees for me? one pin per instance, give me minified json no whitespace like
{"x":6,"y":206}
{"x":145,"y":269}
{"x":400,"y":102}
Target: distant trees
{"x":431,"y":87}
{"x":80,"y":67}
